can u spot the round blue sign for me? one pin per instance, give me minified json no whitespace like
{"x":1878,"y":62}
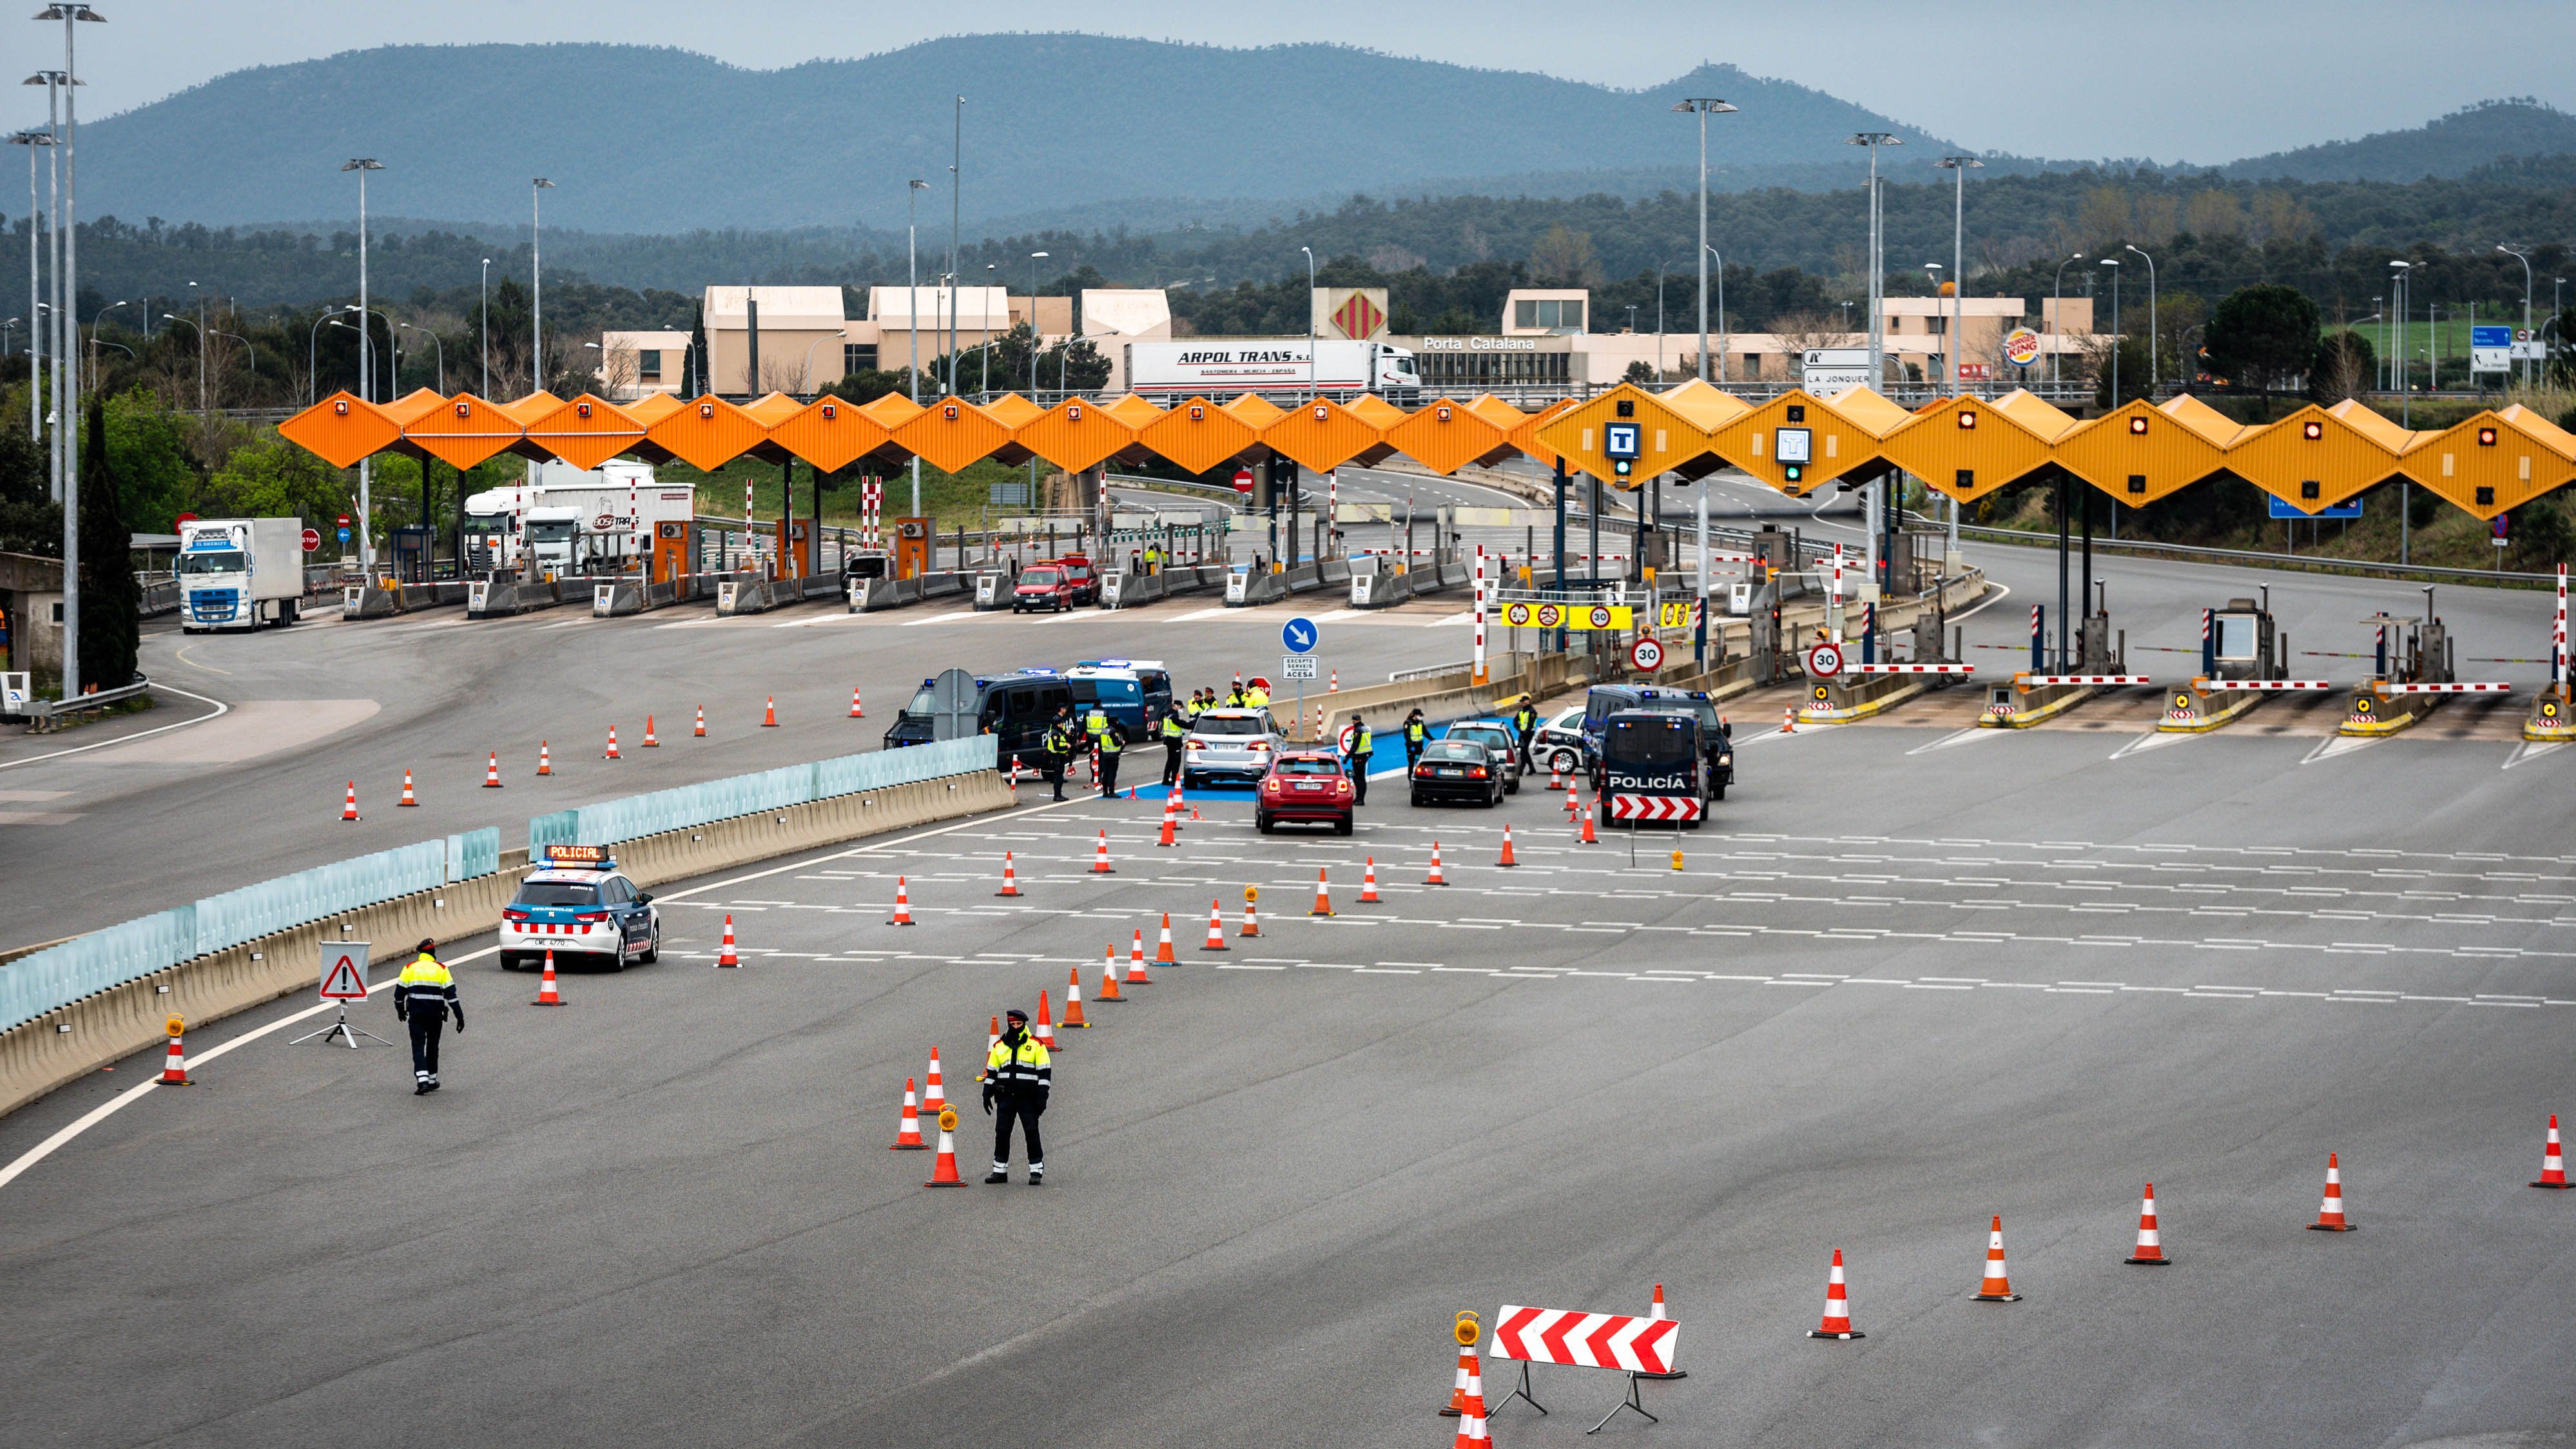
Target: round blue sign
{"x":1299,"y":636}
{"x":344,"y":535}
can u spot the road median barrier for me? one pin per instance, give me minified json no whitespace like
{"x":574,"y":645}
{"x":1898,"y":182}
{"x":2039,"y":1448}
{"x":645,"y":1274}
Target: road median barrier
{"x":2207,"y":704}
{"x":2031,"y":698}
{"x":1246,"y":589}
{"x":2381,"y":708}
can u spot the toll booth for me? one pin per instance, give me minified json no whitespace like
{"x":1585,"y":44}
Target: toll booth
{"x":2413,"y":673}
{"x":674,"y":544}
{"x":2244,"y":660}
{"x":911,"y":547}
{"x":797,"y":560}
{"x":410,"y":559}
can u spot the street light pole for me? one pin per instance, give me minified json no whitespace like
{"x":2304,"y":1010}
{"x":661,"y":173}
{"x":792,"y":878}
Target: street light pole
{"x":1034,"y":258}
{"x":438,"y":350}
{"x":1877,"y":261}
{"x":51,"y":334}
{"x":537,"y":280}
{"x":2057,"y":318}
{"x":1959,"y":167}
{"x":366,"y":357}
{"x":2153,"y":360}
{"x":912,"y":317}
{"x":31,"y":139}
{"x":1720,"y":258}
{"x":1310,"y":322}
{"x":2523,"y":255}
{"x":486,"y":321}
{"x":201,"y":336}
{"x":69,"y":282}
{"x":956,"y":188}
{"x":2114,"y":264}
{"x":1704,"y":107}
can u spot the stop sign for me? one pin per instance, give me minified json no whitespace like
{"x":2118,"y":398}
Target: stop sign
{"x":1242,"y":480}
{"x":312,"y":539}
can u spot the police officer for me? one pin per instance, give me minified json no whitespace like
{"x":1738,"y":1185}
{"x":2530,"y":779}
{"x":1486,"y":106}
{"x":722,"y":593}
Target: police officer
{"x":1056,"y":748}
{"x":1234,"y":696}
{"x":1110,"y":742}
{"x":1175,"y":734}
{"x":1017,"y":1075}
{"x":1256,"y":697}
{"x":1361,"y":746}
{"x":1416,"y":734}
{"x":1525,"y":724}
{"x":1153,"y":559}
{"x":423,"y":996}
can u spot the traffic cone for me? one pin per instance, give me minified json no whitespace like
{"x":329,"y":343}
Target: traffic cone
{"x":1044,"y":1031}
{"x":612,"y":744}
{"x":1588,"y":837}
{"x":725,"y":956}
{"x":993,"y":1038}
{"x":1471,"y":1412}
{"x":907,"y":1132}
{"x":943,"y":1171}
{"x":1163,"y":950}
{"x":1507,"y":848}
{"x":349,"y":803}
{"x":1323,"y":900}
{"x":855,"y":711}
{"x":1837,"y":1321}
{"x":492,"y":772}
{"x":1573,"y":803}
{"x":1100,"y":858}
{"x":650,"y":743}
{"x":1466,"y":1376}
{"x":174,"y":1064}
{"x":1010,"y":877}
{"x":902,"y":904}
{"x":769,"y":713}
{"x":2330,"y":1218}
{"x":1436,"y":878}
{"x":408,"y":798}
{"x":1336,"y":686}
{"x":1656,"y":1315}
{"x":1997,"y":1287}
{"x":2553,"y":1167}
{"x":1109,"y":975}
{"x":2151,"y":1248}
{"x":1789,"y":720}
{"x":1251,"y":921}
{"x":702,"y":721}
{"x":1073,"y":1000}
{"x":547,"y":995}
{"x":1368,"y":883}
{"x":1555,"y":776}
{"x":545,"y":761}
{"x":934,"y":1095}
{"x":1216,"y":927}
{"x":1136,"y":962}
{"x":1170,"y":823}
{"x":1181,"y":804}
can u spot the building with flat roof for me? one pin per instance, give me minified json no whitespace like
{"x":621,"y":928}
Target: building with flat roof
{"x":801,"y":334}
{"x":1541,"y":311}
{"x":635,"y":364}
{"x":1115,"y":316}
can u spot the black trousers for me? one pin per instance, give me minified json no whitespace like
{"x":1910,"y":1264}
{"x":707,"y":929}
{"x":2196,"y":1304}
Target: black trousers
{"x":1004,"y":1110}
{"x":1359,"y":779}
{"x":1053,"y":772}
{"x":1109,"y":772}
{"x":1412,"y":755}
{"x":1171,"y":761}
{"x":425,"y":1030}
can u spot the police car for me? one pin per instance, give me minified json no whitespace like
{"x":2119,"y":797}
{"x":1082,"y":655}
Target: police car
{"x":578,"y":906}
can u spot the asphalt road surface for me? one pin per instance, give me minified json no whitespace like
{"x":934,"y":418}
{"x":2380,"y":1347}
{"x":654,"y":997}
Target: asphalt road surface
{"x":1890,"y":994}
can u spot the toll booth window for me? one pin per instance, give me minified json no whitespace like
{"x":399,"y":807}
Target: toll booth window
{"x":1647,"y":742}
{"x":2234,"y":635}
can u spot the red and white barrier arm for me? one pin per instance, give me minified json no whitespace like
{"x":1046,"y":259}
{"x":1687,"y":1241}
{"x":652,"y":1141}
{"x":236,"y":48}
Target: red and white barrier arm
{"x":1909,"y":669}
{"x":2034,"y":681}
{"x":2482,"y":688}
{"x":2263,"y":686}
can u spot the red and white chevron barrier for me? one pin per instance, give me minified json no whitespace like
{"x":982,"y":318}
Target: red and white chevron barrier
{"x":1909,"y":669}
{"x":1654,"y":807}
{"x":1586,"y":1340}
{"x":2035,"y":681}
{"x":2485,"y":688}
{"x":2265,"y":686}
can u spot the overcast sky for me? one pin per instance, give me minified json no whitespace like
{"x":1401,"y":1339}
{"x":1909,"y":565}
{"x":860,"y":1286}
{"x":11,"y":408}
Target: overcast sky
{"x":2181,"y":80}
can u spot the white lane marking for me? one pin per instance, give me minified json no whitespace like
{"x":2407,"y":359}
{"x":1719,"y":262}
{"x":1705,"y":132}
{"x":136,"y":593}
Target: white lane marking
{"x":2530,"y":750}
{"x":2143,"y":743}
{"x":221,"y":709}
{"x":181,"y":655}
{"x":1956,"y":738}
{"x":937,"y":619}
{"x":2001,"y":592}
{"x":136,"y":1093}
{"x":2333,"y":745}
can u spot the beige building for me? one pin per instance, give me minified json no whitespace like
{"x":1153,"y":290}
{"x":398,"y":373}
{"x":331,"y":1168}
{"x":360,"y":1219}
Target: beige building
{"x":1545,"y":311}
{"x":1115,"y":316}
{"x":802,"y":334}
{"x":637,"y":364}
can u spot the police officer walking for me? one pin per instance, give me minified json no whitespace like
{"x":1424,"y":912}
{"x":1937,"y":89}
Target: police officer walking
{"x":1175,"y":734}
{"x":1110,"y":743}
{"x":1525,"y":724}
{"x":1359,"y":749}
{"x":1415,"y":735}
{"x":1056,"y":748}
{"x":1018,"y":1074}
{"x":423,"y":996}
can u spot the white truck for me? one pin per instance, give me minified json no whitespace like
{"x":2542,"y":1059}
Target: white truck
{"x":239,"y":573}
{"x":1221,"y":367}
{"x":568,"y":522}
{"x":493,"y":519}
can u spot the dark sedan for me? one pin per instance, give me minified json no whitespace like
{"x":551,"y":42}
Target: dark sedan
{"x":1458,"y":770}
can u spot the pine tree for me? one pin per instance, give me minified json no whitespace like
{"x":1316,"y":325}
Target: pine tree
{"x":111,"y":603}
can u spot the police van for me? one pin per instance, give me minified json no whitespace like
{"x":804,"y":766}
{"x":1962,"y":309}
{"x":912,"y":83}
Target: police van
{"x":1717,"y":740}
{"x":1015,"y":708}
{"x":1653,"y":769}
{"x":1134,"y":693}
{"x":579,"y":906}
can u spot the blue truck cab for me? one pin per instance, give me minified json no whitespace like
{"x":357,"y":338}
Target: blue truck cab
{"x":1134,"y":693}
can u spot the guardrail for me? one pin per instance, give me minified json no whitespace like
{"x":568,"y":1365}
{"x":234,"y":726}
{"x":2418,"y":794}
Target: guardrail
{"x":54,"y":977}
{"x":2318,"y":563}
{"x":678,"y":809}
{"x":44,"y":712}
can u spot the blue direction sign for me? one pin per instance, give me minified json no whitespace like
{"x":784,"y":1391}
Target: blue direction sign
{"x":2281,"y":508}
{"x":1300,"y":636}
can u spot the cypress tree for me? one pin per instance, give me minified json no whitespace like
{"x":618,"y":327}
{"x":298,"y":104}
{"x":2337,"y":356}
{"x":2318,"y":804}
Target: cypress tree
{"x":111,"y":603}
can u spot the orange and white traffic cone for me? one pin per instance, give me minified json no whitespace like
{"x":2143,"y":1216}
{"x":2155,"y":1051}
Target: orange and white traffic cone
{"x":1171,"y":822}
{"x":547,"y":995}
{"x":1573,"y":804}
{"x":1466,"y":1376}
{"x":1136,"y":962}
{"x":934,"y":1095}
{"x":1837,"y":1321}
{"x":1588,"y":837}
{"x":769,"y":713}
{"x":492,"y":772}
{"x":2330,"y":1218}
{"x":1181,"y":811}
{"x":612,"y":744}
{"x":902,"y":904}
{"x":1789,"y":720}
{"x":725,"y":956}
{"x":349,"y":802}
{"x":1997,"y":1285}
{"x":1251,"y":919}
{"x":1323,"y":899}
{"x":1163,"y":949}
{"x":2151,"y":1246}
{"x":907,"y":1132}
{"x":1555,"y":776}
{"x":1216,"y":927}
{"x":1010,"y":877}
{"x":1109,"y":975}
{"x":702,"y":721}
{"x":545,"y":760}
{"x":1044,"y":1031}
{"x":1073,"y":1000}
{"x":1471,"y":1411}
{"x":1368,"y":883}
{"x":1436,"y":877}
{"x":993,"y":1039}
{"x":174,"y":1063}
{"x":408,"y":798}
{"x":943,"y":1171}
{"x":1507,"y":848}
{"x":2553,"y":1166}
{"x":1100,"y":857}
{"x":855,"y":711}
{"x":650,"y":743}
{"x":1656,"y":1315}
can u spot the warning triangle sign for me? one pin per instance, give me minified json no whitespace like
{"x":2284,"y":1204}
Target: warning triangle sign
{"x":342,"y":982}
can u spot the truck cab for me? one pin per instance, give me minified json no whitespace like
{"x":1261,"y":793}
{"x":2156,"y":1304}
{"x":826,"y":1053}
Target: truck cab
{"x":553,"y":535}
{"x":239,"y":573}
{"x":492,"y":528}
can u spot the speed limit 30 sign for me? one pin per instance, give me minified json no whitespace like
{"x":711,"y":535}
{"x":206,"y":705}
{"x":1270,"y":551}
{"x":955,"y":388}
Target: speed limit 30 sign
{"x":1824,"y":661}
{"x":1647,"y":655}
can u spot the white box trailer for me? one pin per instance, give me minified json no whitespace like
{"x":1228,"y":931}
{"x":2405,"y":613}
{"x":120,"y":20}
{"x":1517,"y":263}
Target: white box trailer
{"x":566,"y":521}
{"x":239,"y":573}
{"x":1222,"y":367}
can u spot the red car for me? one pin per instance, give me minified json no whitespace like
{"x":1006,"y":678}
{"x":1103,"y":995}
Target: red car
{"x":1056,"y":584}
{"x":1304,"y":787}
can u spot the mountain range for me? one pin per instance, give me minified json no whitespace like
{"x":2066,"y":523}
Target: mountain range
{"x":1061,"y":131}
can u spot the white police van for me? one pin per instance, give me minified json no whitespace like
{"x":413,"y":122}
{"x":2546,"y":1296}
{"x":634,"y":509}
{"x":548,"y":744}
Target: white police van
{"x":580,"y":907}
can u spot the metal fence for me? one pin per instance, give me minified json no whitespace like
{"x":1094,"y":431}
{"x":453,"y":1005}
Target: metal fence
{"x":641,"y":815}
{"x":43,"y":981}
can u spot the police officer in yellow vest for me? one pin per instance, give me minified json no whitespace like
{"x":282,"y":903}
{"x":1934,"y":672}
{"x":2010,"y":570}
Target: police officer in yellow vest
{"x":1525,"y":724}
{"x":1018,"y":1075}
{"x":1056,"y":748}
{"x":1175,"y":733}
{"x":1256,"y":697}
{"x":1416,"y":734}
{"x":1110,"y":742}
{"x":423,"y":996}
{"x":1359,"y":748}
